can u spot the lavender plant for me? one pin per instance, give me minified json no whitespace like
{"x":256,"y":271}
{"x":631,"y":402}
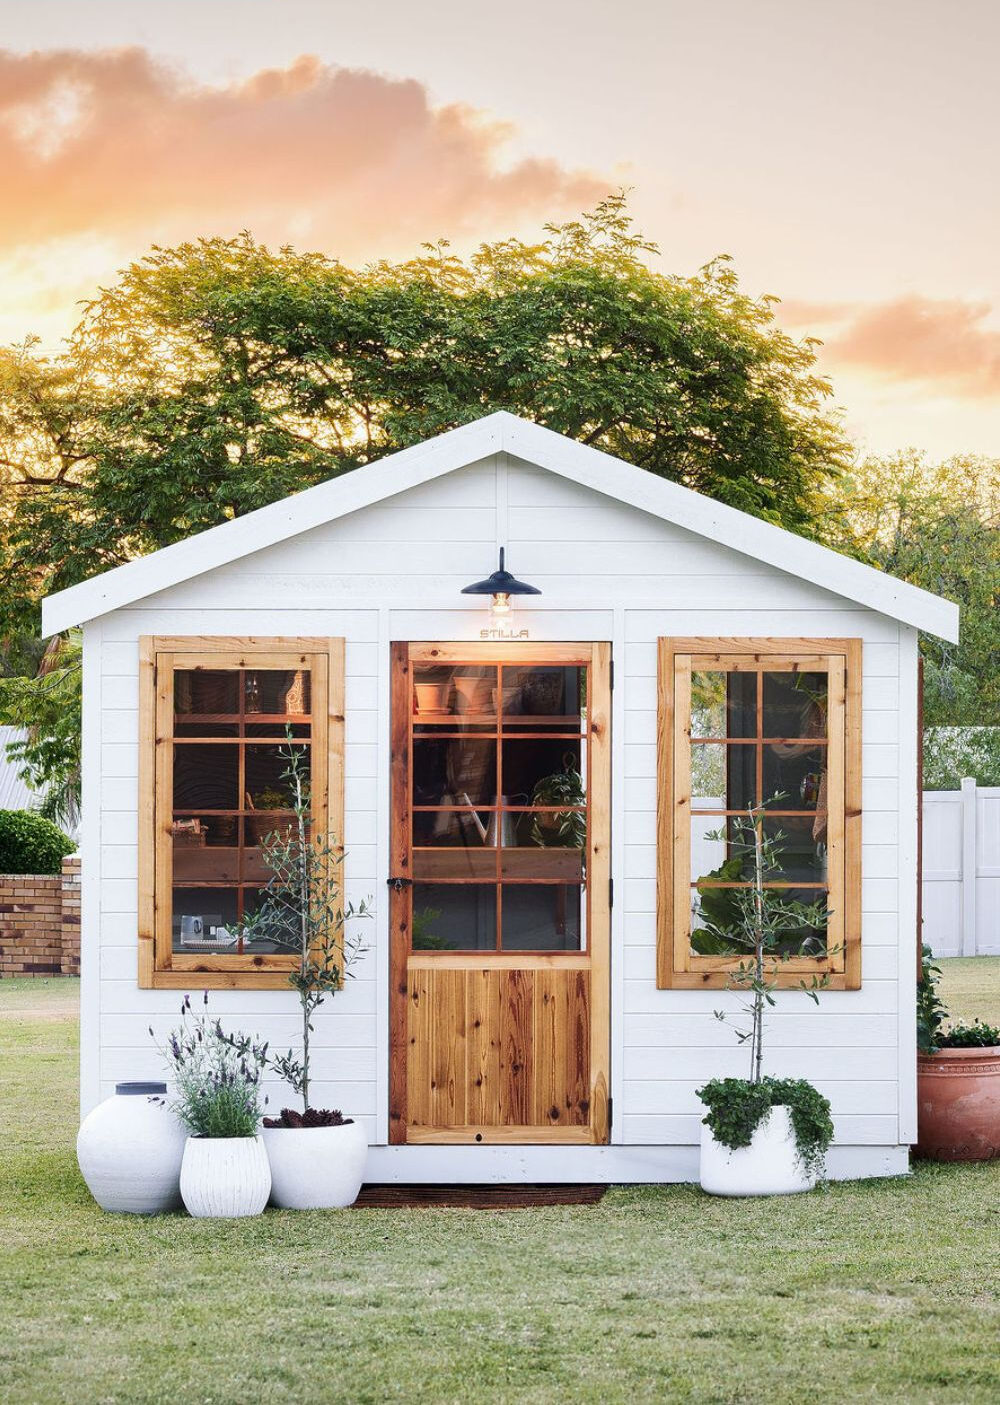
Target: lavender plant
{"x":216,"y":1076}
{"x":303,"y":910}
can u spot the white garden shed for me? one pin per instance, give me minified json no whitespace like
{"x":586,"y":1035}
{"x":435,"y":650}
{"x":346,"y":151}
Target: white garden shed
{"x":527,"y":796}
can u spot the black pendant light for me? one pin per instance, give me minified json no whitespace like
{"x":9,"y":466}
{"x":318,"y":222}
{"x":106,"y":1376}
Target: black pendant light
{"x":501,"y":585}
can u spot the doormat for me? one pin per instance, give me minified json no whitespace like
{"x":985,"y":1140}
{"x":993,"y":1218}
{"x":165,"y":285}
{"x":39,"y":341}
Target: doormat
{"x":476,"y":1197}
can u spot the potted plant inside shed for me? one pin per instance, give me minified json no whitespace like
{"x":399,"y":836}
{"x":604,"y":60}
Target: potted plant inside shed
{"x":317,"y":1155}
{"x":216,"y":1077}
{"x":958,"y":1079}
{"x":761,"y":1135}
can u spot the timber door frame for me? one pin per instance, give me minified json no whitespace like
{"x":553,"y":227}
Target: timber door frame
{"x":596,"y":959}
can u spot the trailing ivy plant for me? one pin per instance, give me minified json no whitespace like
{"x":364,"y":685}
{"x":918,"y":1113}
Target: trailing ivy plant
{"x":303,"y":910}
{"x":769,"y":929}
{"x":736,"y":1108}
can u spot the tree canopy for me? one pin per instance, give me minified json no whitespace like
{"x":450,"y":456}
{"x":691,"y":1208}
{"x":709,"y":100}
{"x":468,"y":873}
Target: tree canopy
{"x":218,"y":376}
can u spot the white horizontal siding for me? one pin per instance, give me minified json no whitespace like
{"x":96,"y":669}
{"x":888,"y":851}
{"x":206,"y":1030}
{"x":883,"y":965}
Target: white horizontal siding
{"x":394,"y":571}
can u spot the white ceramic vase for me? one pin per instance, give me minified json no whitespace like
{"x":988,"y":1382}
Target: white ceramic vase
{"x":130,"y":1149}
{"x":225,"y":1177}
{"x":316,"y":1168}
{"x":768,"y":1166}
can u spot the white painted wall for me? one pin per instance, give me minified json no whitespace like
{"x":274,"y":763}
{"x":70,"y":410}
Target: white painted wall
{"x":394,"y":571}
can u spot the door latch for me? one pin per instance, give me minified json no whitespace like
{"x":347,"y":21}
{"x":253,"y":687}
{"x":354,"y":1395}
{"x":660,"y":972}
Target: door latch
{"x":398,"y":884}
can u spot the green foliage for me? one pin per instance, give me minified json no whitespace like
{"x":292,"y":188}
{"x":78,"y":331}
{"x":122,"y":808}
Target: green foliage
{"x":566,"y":829}
{"x":931,"y":1009}
{"x":216,"y":1076}
{"x":938,"y":526}
{"x":737,"y":1107}
{"x":953,"y":753}
{"x":303,"y":910}
{"x":421,"y":936}
{"x":220,"y":375}
{"x":29,"y":843}
{"x":47,"y":706}
{"x":976,"y":1035}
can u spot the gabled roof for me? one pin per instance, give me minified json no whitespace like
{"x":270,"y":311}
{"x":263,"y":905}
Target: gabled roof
{"x":500,"y":431}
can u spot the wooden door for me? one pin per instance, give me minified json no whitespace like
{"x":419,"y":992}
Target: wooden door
{"x":500,"y":893}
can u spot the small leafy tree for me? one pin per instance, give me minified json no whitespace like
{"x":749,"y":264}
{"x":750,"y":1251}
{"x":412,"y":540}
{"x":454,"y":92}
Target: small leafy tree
{"x":762,"y":924}
{"x":303,"y":909}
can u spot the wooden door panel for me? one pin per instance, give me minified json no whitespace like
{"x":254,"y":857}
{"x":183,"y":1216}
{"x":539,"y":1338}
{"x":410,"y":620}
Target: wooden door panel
{"x":498,"y":1049}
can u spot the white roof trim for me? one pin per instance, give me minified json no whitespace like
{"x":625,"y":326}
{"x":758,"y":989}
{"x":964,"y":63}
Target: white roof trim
{"x":501,"y":431}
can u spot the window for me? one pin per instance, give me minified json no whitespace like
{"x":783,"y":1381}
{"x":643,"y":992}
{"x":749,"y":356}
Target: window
{"x":771,"y":726}
{"x":217,"y":718}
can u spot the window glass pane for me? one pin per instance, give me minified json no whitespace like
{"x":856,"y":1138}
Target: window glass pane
{"x":277,"y":691}
{"x":454,"y":771}
{"x":205,"y":919}
{"x":794,"y":776}
{"x":199,"y":857}
{"x":801,"y":841}
{"x":723,"y":777}
{"x":267,"y":785}
{"x":543,"y":771}
{"x":795,"y":704}
{"x":206,"y":777}
{"x":454,"y":917}
{"x":274,"y":931}
{"x":206,"y":690}
{"x":541,"y":917}
{"x":716,"y":921}
{"x":723,"y":704}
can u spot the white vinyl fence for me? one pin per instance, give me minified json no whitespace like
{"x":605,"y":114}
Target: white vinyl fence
{"x":962,"y":870}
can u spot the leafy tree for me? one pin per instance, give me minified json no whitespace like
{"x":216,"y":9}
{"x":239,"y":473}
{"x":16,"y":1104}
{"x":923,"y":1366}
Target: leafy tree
{"x":219,"y":376}
{"x":938,"y":526}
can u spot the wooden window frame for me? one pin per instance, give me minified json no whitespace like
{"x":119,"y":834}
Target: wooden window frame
{"x":677,"y":967}
{"x":160,"y":968}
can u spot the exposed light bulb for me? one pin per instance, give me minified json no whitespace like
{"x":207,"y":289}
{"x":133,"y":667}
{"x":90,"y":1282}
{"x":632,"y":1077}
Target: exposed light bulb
{"x":500,"y":603}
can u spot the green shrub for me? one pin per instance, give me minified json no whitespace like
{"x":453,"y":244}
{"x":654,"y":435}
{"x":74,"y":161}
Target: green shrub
{"x":736,"y":1108}
{"x":31,"y":844}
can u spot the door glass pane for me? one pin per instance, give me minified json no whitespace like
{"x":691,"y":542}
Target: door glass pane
{"x":541,"y":917}
{"x":544,"y":699}
{"x":466,"y":828}
{"x":454,"y":697}
{"x":454,"y":771}
{"x":543,"y":771}
{"x":723,"y":704}
{"x":454,"y":917}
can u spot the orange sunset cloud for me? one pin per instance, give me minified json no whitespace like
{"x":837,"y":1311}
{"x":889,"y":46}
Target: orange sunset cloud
{"x":114,"y":142}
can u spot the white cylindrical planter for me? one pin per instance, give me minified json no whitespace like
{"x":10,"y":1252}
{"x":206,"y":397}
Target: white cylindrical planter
{"x":225,"y":1177}
{"x":316,"y":1168}
{"x":768,"y":1166}
{"x":130,"y":1149}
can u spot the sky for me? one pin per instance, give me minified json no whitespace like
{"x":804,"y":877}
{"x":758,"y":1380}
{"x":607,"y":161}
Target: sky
{"x":847,"y":156}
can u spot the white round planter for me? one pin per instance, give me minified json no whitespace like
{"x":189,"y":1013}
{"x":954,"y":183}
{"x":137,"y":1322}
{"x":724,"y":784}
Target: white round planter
{"x":225,"y":1177}
{"x":768,"y":1166}
{"x":316,"y":1168}
{"x":130,"y":1149}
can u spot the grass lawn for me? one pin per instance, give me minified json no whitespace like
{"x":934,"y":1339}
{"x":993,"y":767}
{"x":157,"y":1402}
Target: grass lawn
{"x":875,"y":1291}
{"x":970,"y":987}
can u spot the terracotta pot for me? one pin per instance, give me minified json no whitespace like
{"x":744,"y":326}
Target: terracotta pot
{"x":958,"y":1105}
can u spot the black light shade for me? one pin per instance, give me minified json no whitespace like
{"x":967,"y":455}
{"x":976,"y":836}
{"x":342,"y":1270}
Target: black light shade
{"x":500,"y":583}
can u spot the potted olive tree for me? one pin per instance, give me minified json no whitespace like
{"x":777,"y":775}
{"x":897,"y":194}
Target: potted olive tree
{"x":217,"y":1097}
{"x":761,"y":1135}
{"x":958,"y":1079}
{"x":317,"y":1155}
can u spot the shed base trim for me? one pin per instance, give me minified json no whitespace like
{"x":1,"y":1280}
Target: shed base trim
{"x":608,"y":1165}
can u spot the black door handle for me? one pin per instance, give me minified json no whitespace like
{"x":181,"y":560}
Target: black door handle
{"x":398,"y":884}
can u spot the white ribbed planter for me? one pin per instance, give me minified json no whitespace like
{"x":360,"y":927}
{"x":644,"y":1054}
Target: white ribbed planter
{"x":316,"y":1168}
{"x":130,"y":1149}
{"x":768,"y":1166}
{"x":225,"y":1177}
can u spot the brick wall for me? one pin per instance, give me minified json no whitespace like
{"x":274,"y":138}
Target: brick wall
{"x":40,"y":923}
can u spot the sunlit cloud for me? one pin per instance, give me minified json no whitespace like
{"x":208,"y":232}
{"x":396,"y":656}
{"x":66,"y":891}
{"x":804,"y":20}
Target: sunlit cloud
{"x":116,"y":147}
